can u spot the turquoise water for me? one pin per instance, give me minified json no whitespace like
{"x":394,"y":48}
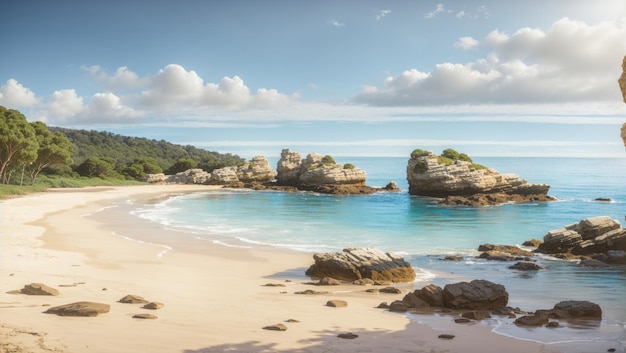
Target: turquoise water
{"x":424,"y":232}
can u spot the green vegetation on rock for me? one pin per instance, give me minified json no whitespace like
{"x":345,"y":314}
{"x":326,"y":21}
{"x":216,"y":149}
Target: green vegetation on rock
{"x":448,"y":157}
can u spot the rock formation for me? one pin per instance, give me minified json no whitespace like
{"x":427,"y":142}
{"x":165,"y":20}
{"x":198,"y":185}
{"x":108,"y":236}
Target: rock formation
{"x":622,"y":86}
{"x":256,"y":171}
{"x":474,"y":295}
{"x":89,"y":309}
{"x":600,"y":237}
{"x":38,"y":289}
{"x":438,"y":176}
{"x":316,"y":170}
{"x":356,"y":263}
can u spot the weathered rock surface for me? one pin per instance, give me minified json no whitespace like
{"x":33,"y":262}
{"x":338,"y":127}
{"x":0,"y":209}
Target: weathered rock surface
{"x":356,"y":263}
{"x":255,"y":171}
{"x":428,"y":177}
{"x":337,"y":303}
{"x":276,"y":327}
{"x":573,"y":309}
{"x":89,"y":309}
{"x":145,"y":316}
{"x":153,"y":306}
{"x":526,"y":266}
{"x":38,"y":289}
{"x":590,"y":236}
{"x":474,"y":295}
{"x":315,"y":170}
{"x":133,"y":299}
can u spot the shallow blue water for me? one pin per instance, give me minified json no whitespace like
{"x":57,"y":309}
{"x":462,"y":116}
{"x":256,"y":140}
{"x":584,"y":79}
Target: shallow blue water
{"x":423,"y":232}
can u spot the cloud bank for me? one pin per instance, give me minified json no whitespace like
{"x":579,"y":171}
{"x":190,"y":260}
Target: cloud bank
{"x":570,"y":62}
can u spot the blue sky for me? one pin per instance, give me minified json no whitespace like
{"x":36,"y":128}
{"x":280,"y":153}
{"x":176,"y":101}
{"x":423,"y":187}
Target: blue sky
{"x":346,"y":78}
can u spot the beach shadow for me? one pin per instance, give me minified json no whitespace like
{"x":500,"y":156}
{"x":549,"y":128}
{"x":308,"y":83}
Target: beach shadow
{"x":328,"y":341}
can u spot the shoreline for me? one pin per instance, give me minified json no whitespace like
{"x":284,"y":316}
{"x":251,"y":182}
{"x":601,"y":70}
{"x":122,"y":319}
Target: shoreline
{"x":215,"y":299}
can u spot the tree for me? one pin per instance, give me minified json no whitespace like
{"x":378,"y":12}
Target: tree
{"x":95,"y":167}
{"x":18,"y":145}
{"x":142,"y":166}
{"x":181,"y":165}
{"x":54,"y":149}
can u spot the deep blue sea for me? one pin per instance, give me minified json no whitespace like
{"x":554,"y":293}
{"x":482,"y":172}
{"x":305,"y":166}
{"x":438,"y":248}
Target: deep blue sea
{"x":423,"y":232}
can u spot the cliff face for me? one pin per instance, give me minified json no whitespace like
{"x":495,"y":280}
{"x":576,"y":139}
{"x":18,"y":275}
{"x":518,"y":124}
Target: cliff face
{"x":314,"y":170}
{"x":427,"y":177}
{"x":622,"y":86}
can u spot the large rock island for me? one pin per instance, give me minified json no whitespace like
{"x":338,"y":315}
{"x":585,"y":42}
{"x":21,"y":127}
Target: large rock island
{"x":454,"y":177}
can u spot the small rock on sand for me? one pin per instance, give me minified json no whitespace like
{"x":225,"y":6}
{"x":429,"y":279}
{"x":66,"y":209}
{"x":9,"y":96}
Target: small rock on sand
{"x":276,"y":327}
{"x":337,"y":303}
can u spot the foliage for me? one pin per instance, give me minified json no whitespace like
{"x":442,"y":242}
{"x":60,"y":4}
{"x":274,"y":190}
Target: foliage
{"x":419,"y":153}
{"x":328,"y":160}
{"x":420,"y":167}
{"x":455,"y":156}
{"x":45,"y":182}
{"x":127,"y":151}
{"x":18,"y":145}
{"x":96,"y":167}
{"x":54,"y":149}
{"x":181,"y":165}
{"x":348,"y":166}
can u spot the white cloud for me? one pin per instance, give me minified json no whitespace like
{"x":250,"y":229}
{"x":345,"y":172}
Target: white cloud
{"x":14,"y":95}
{"x":175,"y":87}
{"x":466,"y":43}
{"x":107,"y":107}
{"x":336,"y":23}
{"x":439,"y":9}
{"x":570,"y":62}
{"x":64,"y":104}
{"x":123,"y":78}
{"x":382,"y":14}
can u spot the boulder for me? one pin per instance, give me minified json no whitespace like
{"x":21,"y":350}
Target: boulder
{"x":509,"y":249}
{"x":84,"y":308}
{"x":398,"y":306}
{"x":526,"y":266}
{"x":327,"y":281}
{"x":276,"y":327}
{"x":590,"y":228}
{"x":145,"y":316}
{"x":133,"y":299}
{"x":38,"y":289}
{"x":357,"y":263}
{"x":579,"y":309}
{"x":428,"y":176}
{"x":532,"y":320}
{"x":429,"y":296}
{"x":337,"y":303}
{"x":475,"y":295}
{"x":153,"y":306}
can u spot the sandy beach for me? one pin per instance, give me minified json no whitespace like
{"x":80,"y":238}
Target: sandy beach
{"x":215,"y":300}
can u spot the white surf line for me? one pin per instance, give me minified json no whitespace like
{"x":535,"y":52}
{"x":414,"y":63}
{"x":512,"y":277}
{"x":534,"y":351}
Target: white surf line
{"x":159,"y":255}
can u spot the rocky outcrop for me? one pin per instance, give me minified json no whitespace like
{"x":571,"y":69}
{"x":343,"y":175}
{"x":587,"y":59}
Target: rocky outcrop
{"x":622,"y":86}
{"x":315,"y":170}
{"x":474,"y":295}
{"x":357,"y":263}
{"x":431,"y":175}
{"x":592,"y":236}
{"x":256,"y":171}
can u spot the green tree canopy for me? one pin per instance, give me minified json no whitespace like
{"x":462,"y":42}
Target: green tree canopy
{"x":18,"y":145}
{"x":54,"y":149}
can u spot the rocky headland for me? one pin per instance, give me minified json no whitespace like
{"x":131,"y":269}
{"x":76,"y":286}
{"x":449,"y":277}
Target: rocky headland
{"x":455,"y":179}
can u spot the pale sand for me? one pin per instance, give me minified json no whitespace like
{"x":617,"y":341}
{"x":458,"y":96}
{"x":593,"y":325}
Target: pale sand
{"x":215,"y":299}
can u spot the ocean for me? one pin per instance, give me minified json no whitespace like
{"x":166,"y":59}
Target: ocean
{"x":424,"y":232}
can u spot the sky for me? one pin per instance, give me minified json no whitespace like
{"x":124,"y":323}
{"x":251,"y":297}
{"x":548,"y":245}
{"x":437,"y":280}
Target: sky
{"x":345,"y":78}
